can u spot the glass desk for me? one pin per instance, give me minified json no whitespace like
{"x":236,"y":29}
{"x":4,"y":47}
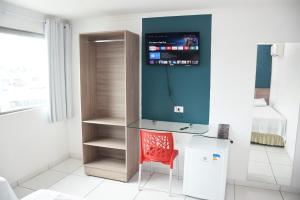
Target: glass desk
{"x":177,"y":127}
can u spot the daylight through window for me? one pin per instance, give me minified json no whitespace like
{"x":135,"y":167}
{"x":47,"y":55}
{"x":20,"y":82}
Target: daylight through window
{"x":23,"y":71}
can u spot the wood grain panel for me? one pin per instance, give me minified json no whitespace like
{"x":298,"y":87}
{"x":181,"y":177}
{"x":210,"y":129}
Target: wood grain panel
{"x":111,"y":153}
{"x":87,"y":78}
{"x":132,"y":153}
{"x":109,"y":75}
{"x":92,"y":171}
{"x":106,"y":35}
{"x":112,"y":131}
{"x":113,"y":143}
{"x":110,"y":84}
{"x":90,"y":154}
{"x":132,"y":100}
{"x":132,"y":77}
{"x":90,"y":132}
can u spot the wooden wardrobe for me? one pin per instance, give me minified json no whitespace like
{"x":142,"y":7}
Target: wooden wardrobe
{"x":109,"y":70}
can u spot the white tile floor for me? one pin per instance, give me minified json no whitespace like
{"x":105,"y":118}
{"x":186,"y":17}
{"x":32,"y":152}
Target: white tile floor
{"x":269,"y":165}
{"x":68,"y":177}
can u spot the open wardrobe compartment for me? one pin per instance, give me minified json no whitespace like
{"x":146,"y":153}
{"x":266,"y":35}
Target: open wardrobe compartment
{"x":109,"y":69}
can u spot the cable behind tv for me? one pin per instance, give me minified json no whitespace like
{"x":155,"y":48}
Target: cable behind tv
{"x":170,"y":93}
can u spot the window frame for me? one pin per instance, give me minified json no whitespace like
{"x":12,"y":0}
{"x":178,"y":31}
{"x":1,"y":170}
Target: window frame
{"x":27,"y":34}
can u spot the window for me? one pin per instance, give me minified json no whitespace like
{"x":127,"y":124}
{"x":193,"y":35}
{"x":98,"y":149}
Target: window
{"x":23,"y":70}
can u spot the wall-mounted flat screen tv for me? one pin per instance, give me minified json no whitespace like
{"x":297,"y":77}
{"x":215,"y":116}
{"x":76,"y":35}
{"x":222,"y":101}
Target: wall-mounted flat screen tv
{"x":177,"y":48}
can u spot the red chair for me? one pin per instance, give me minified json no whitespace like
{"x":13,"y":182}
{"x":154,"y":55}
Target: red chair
{"x":157,"y":147}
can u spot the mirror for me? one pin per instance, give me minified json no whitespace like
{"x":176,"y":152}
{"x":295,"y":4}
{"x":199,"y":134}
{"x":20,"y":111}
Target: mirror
{"x":275,"y":117}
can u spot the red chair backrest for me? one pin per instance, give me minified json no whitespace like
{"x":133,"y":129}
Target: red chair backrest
{"x":156,"y":146}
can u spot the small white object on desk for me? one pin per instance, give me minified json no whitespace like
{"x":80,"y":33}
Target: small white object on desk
{"x":205,"y":168}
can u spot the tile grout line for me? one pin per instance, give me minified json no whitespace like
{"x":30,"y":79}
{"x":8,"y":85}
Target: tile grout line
{"x":49,"y":166}
{"x":27,"y":188}
{"x":278,"y":164}
{"x":47,"y":187}
{"x":99,"y":184}
{"x":157,"y":190}
{"x":55,"y":170}
{"x":234,"y":191}
{"x":151,"y":174}
{"x":66,"y":173}
{"x":268,"y":163}
{"x":147,"y":180}
{"x":136,"y":195}
{"x":48,"y":169}
{"x":63,"y":171}
{"x":271,"y":166}
{"x":281,"y":193}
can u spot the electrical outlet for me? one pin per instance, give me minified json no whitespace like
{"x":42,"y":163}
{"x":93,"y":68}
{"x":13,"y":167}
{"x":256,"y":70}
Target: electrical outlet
{"x":178,"y":109}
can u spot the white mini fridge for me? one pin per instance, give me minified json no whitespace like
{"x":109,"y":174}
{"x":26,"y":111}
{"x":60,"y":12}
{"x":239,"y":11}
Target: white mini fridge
{"x":205,"y":168}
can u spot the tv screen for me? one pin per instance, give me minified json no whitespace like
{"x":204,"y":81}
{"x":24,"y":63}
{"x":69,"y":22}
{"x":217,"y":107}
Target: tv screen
{"x":178,"y":48}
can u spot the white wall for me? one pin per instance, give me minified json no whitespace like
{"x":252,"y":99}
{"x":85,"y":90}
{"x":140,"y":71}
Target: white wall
{"x":235,"y":33}
{"x":28,"y":143}
{"x":285,"y":90}
{"x":296,"y":166}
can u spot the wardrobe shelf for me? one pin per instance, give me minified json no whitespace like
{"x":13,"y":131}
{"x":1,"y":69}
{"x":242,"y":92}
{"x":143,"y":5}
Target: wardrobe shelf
{"x":109,"y":164}
{"x":114,"y":40}
{"x":113,"y":143}
{"x":107,"y":121}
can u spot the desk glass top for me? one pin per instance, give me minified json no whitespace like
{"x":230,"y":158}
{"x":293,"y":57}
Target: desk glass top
{"x":169,"y":126}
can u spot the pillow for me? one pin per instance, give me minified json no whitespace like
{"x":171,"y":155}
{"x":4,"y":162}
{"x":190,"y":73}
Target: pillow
{"x":260,"y":102}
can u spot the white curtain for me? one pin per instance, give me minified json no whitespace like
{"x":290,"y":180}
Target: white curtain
{"x":58,"y":34}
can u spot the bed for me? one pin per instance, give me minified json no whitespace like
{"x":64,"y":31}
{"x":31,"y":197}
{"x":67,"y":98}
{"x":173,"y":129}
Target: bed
{"x":7,"y":193}
{"x":268,"y":125}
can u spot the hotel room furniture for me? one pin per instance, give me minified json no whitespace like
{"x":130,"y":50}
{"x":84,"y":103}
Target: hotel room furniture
{"x":7,"y":193}
{"x":186,"y":130}
{"x":109,"y":70}
{"x":201,"y":150}
{"x":157,"y":146}
{"x":205,"y":168}
{"x":50,"y":195}
{"x":268,"y":125}
{"x":175,"y":127}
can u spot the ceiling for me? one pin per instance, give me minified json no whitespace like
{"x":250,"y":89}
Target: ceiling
{"x":85,"y":8}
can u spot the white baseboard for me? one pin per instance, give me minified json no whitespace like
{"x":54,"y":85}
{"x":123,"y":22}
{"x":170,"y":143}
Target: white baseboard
{"x":290,"y":189}
{"x":38,"y":171}
{"x":32,"y":174}
{"x":76,"y":156}
{"x":267,"y":186}
{"x":56,"y":162}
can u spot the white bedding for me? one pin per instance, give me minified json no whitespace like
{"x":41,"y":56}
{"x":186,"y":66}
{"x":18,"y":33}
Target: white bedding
{"x":49,"y":195}
{"x":268,"y":121}
{"x":6,"y":193}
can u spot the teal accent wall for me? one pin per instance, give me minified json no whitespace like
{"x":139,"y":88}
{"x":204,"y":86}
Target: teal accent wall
{"x":263,"y":66}
{"x":190,"y":85}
